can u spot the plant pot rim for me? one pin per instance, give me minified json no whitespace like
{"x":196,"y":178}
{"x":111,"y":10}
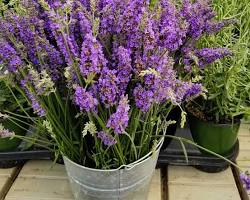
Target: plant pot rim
{"x":126,"y":167}
{"x":214,"y":123}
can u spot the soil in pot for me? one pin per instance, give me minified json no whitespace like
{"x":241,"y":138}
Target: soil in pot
{"x":217,"y":137}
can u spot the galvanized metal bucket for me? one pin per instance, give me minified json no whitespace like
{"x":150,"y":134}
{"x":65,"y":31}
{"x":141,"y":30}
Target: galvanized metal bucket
{"x":130,"y":182}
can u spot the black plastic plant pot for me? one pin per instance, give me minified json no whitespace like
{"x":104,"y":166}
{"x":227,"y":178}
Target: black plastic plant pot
{"x":175,"y":115}
{"x":10,"y":144}
{"x":219,"y":138}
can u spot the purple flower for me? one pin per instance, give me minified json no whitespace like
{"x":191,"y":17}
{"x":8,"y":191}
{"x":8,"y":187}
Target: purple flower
{"x":107,"y":87}
{"x":173,"y":28}
{"x":198,"y":15}
{"x":107,"y":139}
{"x":129,"y":21}
{"x":245,"y":178}
{"x":9,"y":56}
{"x":186,"y":90}
{"x":84,"y":24}
{"x":213,"y":27}
{"x":119,"y":120}
{"x":143,"y":98}
{"x":107,"y":23}
{"x":92,"y":57}
{"x":124,"y":68}
{"x":209,"y":55}
{"x":34,"y":102}
{"x":37,"y":107}
{"x":85,"y":100}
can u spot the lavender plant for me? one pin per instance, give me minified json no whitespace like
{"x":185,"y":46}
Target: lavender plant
{"x":227,"y":81}
{"x":105,"y":74}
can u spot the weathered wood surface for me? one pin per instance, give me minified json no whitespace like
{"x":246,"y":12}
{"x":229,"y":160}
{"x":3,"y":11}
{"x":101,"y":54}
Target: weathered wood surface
{"x":6,"y":180}
{"x":188,"y":183}
{"x":39,"y":180}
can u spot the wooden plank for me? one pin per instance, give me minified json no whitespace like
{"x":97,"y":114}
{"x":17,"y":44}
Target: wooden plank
{"x":7,"y":177}
{"x":43,"y":169}
{"x":3,"y":181}
{"x":244,"y":142}
{"x":192,"y":176}
{"x":155,"y":187}
{"x":244,"y":130}
{"x":202,"y":192}
{"x":188,"y":183}
{"x":41,"y":180}
{"x":38,"y":181}
{"x":244,"y":155}
{"x":40,"y":189}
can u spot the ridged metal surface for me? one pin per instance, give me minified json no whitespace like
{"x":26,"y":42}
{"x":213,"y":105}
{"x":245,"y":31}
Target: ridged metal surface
{"x":130,"y":182}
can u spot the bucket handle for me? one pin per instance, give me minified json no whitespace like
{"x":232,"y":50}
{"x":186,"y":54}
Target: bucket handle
{"x":137,"y":162}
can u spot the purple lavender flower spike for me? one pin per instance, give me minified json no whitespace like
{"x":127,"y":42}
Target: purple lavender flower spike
{"x":92,"y":57}
{"x":9,"y":56}
{"x":209,"y":55}
{"x":197,"y":14}
{"x":186,"y":90}
{"x":107,"y":139}
{"x":37,"y":108}
{"x":128,"y":25}
{"x":124,"y":68}
{"x":173,"y":29}
{"x":34,"y":103}
{"x":214,"y":27}
{"x":143,"y":98}
{"x":119,"y":120}
{"x":85,"y":100}
{"x":107,"y":87}
{"x":84,"y":24}
{"x":245,"y":178}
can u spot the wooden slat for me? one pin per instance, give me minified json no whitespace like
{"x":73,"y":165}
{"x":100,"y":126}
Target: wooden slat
{"x":6,"y":179}
{"x":244,"y":142}
{"x":244,"y":130}
{"x":202,"y":192}
{"x":192,"y":176}
{"x":43,"y":169}
{"x":38,"y":181}
{"x":41,"y":180}
{"x":155,"y":187}
{"x":188,"y":183}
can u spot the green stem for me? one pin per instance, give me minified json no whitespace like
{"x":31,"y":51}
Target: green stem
{"x":204,"y":149}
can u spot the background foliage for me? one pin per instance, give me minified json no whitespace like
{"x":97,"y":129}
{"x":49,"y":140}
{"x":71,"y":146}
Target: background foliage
{"x":228,"y":80}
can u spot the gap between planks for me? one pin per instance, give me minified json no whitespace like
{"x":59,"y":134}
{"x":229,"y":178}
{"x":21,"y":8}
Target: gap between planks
{"x":9,"y":180}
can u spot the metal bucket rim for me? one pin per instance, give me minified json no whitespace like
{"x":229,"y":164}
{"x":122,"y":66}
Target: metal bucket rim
{"x":127,"y":167}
